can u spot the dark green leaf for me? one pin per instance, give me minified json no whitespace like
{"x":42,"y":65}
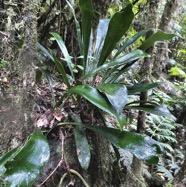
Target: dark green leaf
{"x":118,"y":26}
{"x":116,"y":94}
{"x":82,"y":146}
{"x":141,"y":87}
{"x":87,"y":12}
{"x":7,"y":157}
{"x":91,"y":94}
{"x":61,"y":70}
{"x":131,"y":41}
{"x":158,"y":110}
{"x":143,"y":147}
{"x":117,"y":62}
{"x":158,"y":36}
{"x":64,"y":51}
{"x":100,"y":38}
{"x":23,"y":169}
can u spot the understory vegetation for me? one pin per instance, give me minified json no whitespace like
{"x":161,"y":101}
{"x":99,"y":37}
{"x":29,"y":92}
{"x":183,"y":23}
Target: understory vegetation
{"x":93,"y":101}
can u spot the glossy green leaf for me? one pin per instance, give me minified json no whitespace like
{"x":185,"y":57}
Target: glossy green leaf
{"x":158,"y":36}
{"x":116,"y":94}
{"x":92,"y":94}
{"x":82,"y":146}
{"x":118,"y":72}
{"x":100,"y":38}
{"x":143,"y":147}
{"x":158,"y":110}
{"x":44,"y":51}
{"x":7,"y":157}
{"x":141,"y":87}
{"x":25,"y":166}
{"x":87,"y":12}
{"x":64,"y":51}
{"x":117,"y":62}
{"x":61,"y":69}
{"x":118,"y":26}
{"x":130,"y":41}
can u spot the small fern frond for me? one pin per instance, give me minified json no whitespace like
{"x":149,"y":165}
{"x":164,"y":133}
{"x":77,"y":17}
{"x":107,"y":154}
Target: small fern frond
{"x":166,"y":172}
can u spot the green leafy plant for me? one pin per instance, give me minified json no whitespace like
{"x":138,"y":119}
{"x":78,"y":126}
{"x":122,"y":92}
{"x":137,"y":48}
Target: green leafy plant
{"x":21,"y":166}
{"x":163,"y":129}
{"x":176,"y":71}
{"x":100,"y":81}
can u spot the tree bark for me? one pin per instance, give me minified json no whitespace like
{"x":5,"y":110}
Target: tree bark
{"x":162,"y":48}
{"x":17,"y":119}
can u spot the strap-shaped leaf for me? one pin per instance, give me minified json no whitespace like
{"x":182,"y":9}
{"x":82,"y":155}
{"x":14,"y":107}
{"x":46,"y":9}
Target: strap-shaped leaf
{"x":87,"y":12}
{"x":44,"y":51}
{"x":64,"y":51}
{"x":141,"y":87}
{"x":23,"y":168}
{"x":100,"y":38}
{"x":143,"y":147}
{"x":61,"y":69}
{"x":92,"y":94}
{"x":158,"y":110}
{"x":118,"y":26}
{"x":131,"y":41}
{"x":116,"y":94}
{"x":82,"y":146}
{"x":158,"y":36}
{"x":117,"y":62}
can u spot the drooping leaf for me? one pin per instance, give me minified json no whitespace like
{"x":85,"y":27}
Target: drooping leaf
{"x":158,"y":36}
{"x":25,"y":166}
{"x":158,"y":110}
{"x":92,"y":94}
{"x":131,"y":41}
{"x":118,"y":26}
{"x":64,"y":50}
{"x":61,"y":69}
{"x":141,"y":87}
{"x":117,"y":62}
{"x":44,"y":51}
{"x":143,"y":147}
{"x":116,"y":94}
{"x":87,"y":12}
{"x":82,"y":146}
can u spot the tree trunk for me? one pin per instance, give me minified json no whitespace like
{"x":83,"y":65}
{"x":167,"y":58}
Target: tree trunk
{"x":162,"y":48}
{"x":17,"y":119}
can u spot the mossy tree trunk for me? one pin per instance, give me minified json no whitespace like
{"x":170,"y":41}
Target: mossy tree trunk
{"x":17,"y":117}
{"x":135,"y":178}
{"x":26,"y":61}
